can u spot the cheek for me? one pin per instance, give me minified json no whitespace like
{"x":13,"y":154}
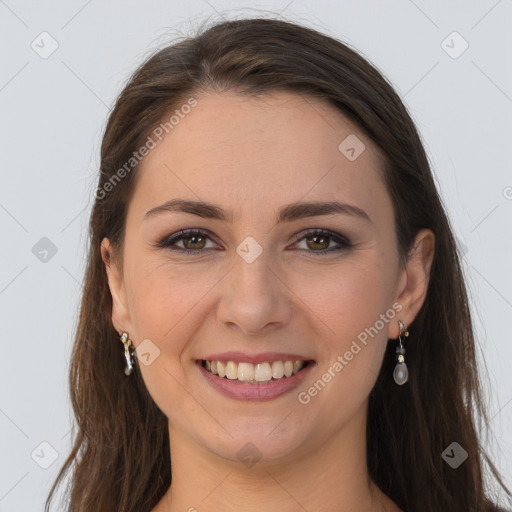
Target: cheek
{"x":355,"y":307}
{"x":347,"y":297}
{"x":164,"y":303}
{"x":367,"y":312}
{"x":162,"y":296}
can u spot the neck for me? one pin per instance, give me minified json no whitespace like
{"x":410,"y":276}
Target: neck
{"x":331,"y":476}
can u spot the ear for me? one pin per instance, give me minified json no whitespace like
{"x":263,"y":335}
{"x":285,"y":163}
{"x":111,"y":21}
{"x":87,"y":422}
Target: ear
{"x":121,"y":319}
{"x":413,"y":280}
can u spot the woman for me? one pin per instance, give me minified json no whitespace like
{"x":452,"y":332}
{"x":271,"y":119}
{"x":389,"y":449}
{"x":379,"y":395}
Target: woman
{"x":273,"y":302}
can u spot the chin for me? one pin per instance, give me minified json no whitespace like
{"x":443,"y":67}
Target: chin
{"x":258,"y":441}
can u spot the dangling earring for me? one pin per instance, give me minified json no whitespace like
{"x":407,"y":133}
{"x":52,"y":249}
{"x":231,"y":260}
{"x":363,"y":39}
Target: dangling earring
{"x":127,"y":353}
{"x":401,"y":373}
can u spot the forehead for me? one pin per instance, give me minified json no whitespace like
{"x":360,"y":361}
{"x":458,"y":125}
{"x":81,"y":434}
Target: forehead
{"x":274,"y":149}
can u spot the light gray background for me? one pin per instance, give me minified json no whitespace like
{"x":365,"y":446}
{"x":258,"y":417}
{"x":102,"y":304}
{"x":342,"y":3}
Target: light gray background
{"x":53,"y":111}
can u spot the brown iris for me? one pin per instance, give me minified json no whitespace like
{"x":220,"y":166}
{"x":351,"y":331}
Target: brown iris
{"x":195,"y":240}
{"x":324,"y":239}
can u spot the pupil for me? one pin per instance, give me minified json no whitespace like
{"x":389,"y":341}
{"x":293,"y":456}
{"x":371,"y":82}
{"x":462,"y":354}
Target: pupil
{"x":322,"y":237}
{"x":194,"y":239}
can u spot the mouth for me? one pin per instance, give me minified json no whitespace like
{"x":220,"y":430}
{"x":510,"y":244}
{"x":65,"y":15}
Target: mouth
{"x":258,"y":382}
{"x":254,"y":374}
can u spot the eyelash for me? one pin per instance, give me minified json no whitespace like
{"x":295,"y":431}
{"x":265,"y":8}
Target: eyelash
{"x":169,"y":240}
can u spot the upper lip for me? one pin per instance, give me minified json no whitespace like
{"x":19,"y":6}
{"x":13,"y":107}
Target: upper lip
{"x":262,"y":357}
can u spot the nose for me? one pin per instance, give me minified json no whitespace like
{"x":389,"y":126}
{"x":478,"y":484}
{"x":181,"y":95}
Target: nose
{"x":255,"y":297}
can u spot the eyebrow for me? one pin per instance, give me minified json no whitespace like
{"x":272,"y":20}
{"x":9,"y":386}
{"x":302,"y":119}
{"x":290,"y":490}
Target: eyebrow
{"x":288,"y":213}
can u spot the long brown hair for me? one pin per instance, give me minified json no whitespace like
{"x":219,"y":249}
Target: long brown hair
{"x":120,"y":459}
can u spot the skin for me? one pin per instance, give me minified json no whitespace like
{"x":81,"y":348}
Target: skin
{"x":252,"y":156}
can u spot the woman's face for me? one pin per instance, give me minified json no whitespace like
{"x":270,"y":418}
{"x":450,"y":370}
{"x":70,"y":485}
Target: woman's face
{"x":260,"y":284}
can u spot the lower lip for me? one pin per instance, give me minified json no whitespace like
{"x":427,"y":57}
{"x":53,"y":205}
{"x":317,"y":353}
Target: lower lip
{"x":255,"y":392}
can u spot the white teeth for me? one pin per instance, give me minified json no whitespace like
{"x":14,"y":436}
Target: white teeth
{"x":260,"y":372}
{"x":297,"y":366}
{"x":277,"y":369}
{"x":231,"y":370}
{"x":245,"y":372}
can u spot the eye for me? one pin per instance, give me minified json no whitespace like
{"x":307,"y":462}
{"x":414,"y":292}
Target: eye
{"x":321,"y":239}
{"x":195,"y":241}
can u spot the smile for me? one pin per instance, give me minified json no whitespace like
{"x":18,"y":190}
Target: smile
{"x":258,"y":382}
{"x":253,"y":373}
